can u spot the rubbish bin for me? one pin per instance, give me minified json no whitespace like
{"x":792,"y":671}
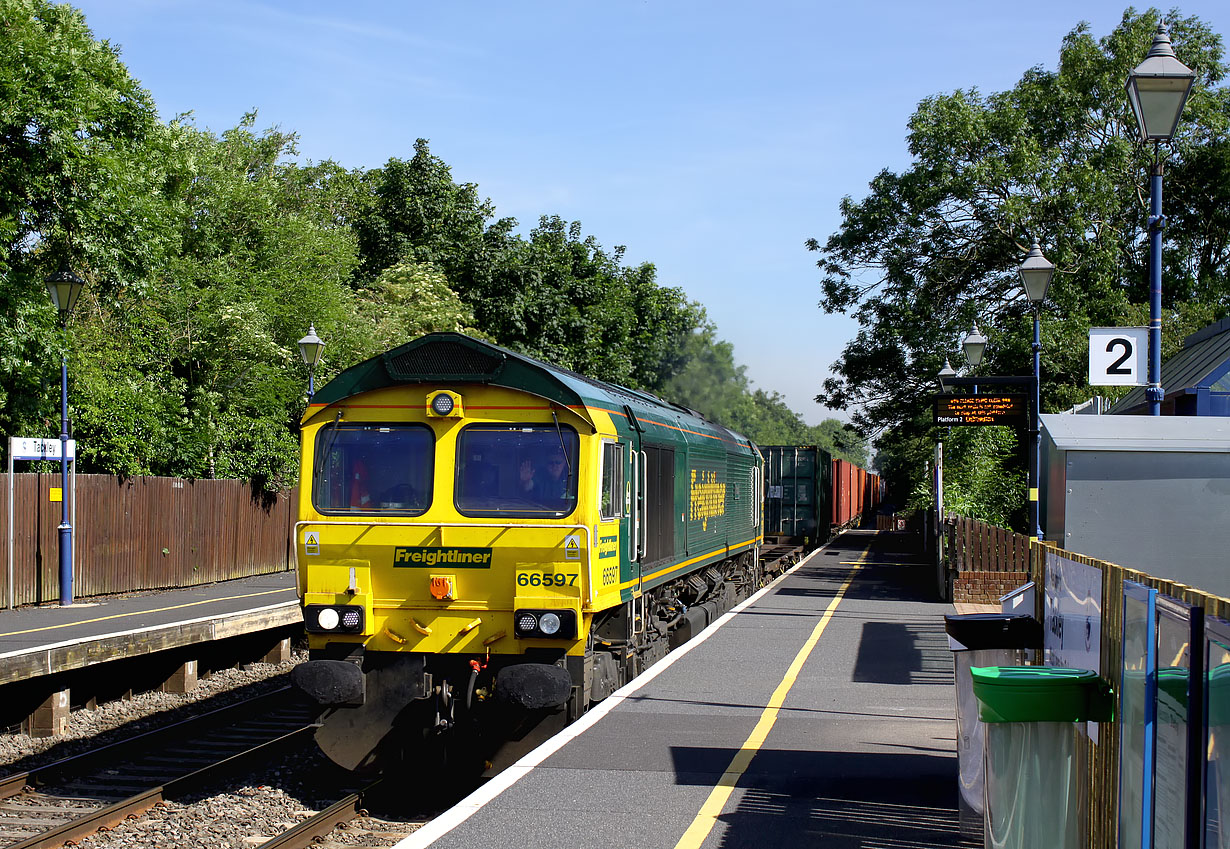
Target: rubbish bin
{"x":981,"y":639}
{"x":1036,"y":768}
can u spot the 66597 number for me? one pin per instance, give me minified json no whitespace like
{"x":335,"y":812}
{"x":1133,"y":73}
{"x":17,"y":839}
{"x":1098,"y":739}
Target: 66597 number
{"x":546,"y":579}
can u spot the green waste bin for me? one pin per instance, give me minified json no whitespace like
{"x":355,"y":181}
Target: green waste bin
{"x":1036,"y":762}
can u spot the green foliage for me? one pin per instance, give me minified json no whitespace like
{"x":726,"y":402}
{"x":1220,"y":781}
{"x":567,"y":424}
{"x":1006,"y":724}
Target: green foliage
{"x":79,"y":187}
{"x":982,"y":478}
{"x":1055,"y":159}
{"x":408,"y":300}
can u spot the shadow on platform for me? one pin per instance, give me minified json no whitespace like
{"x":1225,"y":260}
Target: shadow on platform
{"x":843,"y":800}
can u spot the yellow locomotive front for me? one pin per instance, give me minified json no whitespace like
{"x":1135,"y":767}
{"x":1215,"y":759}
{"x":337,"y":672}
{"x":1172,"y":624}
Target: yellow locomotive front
{"x":446,"y":544}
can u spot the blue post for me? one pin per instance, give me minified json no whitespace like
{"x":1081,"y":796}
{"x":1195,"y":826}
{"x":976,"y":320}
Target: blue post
{"x":1036,"y":433}
{"x":1157,"y":222}
{"x":65,"y":528}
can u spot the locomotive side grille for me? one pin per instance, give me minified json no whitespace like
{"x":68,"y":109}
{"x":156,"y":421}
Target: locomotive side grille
{"x":442,"y":359}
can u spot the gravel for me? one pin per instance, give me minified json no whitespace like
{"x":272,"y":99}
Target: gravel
{"x":123,"y":718}
{"x":239,"y":816}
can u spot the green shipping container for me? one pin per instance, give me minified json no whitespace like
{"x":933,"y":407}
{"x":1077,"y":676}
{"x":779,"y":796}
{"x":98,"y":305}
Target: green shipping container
{"x":798,"y":488}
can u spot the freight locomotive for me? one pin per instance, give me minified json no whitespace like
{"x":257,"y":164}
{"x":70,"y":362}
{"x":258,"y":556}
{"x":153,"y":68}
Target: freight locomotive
{"x":488,"y":544}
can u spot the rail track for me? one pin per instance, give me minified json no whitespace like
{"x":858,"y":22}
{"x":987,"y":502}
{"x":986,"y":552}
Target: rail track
{"x":78,"y":796}
{"x":346,"y":823}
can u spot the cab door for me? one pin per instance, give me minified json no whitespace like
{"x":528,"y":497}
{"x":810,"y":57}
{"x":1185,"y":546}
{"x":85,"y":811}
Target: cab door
{"x":634,"y":530}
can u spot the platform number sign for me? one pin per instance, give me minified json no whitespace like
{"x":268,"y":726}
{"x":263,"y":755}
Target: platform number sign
{"x":1117,"y":356}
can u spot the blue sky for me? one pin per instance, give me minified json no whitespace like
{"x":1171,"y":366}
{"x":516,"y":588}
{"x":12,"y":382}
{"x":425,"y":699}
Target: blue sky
{"x":710,"y":138}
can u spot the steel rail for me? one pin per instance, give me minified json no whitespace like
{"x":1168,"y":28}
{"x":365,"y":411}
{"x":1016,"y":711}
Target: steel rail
{"x":115,"y":813}
{"x":318,"y":826}
{"x":14,"y":783}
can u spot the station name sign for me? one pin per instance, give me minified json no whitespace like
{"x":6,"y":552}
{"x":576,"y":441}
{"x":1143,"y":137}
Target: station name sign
{"x":1011,"y":410}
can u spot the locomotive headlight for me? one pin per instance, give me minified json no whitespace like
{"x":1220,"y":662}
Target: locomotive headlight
{"x":556,"y":624}
{"x":442,"y":404}
{"x":328,"y":618}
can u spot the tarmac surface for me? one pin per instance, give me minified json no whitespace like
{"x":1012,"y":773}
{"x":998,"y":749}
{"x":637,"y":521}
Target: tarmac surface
{"x":47,"y":639}
{"x":818,"y":714}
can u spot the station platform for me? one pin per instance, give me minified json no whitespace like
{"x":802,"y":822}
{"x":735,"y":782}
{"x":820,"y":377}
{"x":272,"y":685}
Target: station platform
{"x":817,"y":713}
{"x":45,"y":640}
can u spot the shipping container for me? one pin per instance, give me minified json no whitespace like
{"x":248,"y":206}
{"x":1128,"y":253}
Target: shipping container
{"x":845,"y":493}
{"x":798,"y":487}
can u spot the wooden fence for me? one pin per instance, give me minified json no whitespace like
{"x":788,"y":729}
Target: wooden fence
{"x":142,"y":534}
{"x":981,"y":561}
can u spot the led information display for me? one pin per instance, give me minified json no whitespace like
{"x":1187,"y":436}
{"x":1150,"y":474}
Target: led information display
{"x":1009,"y":410}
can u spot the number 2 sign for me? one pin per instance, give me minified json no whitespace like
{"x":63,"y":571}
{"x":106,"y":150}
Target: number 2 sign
{"x":1117,"y":356}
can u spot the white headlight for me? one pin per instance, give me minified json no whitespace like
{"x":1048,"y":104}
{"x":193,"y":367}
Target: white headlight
{"x":327,"y":619}
{"x":548,"y":623}
{"x":442,"y":404}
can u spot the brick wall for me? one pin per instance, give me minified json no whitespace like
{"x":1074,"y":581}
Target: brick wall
{"x":986,"y":587}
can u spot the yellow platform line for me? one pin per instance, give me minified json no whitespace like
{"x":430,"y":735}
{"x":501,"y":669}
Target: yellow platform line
{"x":138,"y":612}
{"x":712,"y":809}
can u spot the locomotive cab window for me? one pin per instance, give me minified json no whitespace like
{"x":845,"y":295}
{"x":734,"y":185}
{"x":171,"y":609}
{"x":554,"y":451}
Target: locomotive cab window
{"x":373,"y":469}
{"x":517,"y":470}
{"x":612,"y":488}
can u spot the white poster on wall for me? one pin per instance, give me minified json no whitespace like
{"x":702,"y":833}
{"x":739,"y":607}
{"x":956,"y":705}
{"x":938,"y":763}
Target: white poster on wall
{"x":1072,"y":617}
{"x":1072,"y":614}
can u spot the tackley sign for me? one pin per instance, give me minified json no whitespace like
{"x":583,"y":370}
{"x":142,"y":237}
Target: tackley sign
{"x":1117,"y":355}
{"x":40,"y":449}
{"x":981,"y":409}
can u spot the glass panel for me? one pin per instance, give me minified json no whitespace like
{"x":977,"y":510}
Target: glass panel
{"x":1217,"y":770}
{"x":612,"y":479}
{"x":517,"y":470}
{"x":373,"y":469}
{"x":1134,"y":704}
{"x":1174,"y":657}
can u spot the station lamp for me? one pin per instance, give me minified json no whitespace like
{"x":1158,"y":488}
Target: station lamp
{"x":1036,"y":273}
{"x":1157,"y":89}
{"x":310,"y":349}
{"x":974,"y":345}
{"x":64,"y":287}
{"x":946,"y":372}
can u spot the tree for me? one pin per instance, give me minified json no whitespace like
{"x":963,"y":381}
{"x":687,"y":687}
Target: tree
{"x":80,"y":188}
{"x":408,"y":300}
{"x":1054,"y":159}
{"x":204,"y":362}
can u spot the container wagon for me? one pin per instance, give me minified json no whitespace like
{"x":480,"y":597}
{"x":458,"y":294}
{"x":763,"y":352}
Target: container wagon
{"x":798,"y":494}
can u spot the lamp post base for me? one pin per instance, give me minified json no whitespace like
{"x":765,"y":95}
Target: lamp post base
{"x":66,"y":563}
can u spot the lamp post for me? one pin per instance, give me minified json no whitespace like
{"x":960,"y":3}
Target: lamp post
{"x":310,"y":349}
{"x":1157,"y":88}
{"x":1036,"y":272}
{"x":64,"y":287}
{"x":974,"y":345}
{"x":946,"y":372}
